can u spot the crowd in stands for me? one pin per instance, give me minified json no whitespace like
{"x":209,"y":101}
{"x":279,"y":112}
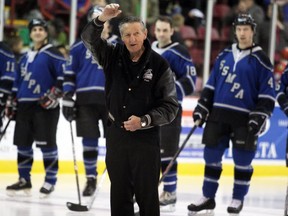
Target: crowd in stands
{"x":188,"y":17}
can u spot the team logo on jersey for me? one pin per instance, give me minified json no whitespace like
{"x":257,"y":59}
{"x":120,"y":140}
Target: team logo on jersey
{"x":148,"y":75}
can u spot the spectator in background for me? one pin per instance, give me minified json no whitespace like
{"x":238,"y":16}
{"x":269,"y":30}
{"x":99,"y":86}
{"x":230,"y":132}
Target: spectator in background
{"x":16,"y":45}
{"x":264,"y":31}
{"x":57,"y":35}
{"x":82,"y":6}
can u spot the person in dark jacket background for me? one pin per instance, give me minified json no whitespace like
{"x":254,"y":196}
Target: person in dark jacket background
{"x":140,"y":97}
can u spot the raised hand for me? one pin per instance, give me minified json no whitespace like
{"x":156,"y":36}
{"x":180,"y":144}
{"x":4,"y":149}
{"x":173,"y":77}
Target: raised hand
{"x":110,"y":11}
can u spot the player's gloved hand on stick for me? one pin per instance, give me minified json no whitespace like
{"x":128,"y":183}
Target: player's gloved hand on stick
{"x":68,"y":108}
{"x":50,"y":99}
{"x":256,"y":124}
{"x":11,"y":108}
{"x":200,"y":115}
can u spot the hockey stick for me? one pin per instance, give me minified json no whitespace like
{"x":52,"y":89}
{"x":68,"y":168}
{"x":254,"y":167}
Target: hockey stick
{"x":102,"y":179}
{"x":168,"y":168}
{"x":76,"y":207}
{"x":5,"y":128}
{"x":79,"y":207}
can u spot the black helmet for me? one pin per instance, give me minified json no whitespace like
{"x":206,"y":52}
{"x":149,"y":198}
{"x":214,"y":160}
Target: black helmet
{"x":37,"y":22}
{"x":245,"y":19}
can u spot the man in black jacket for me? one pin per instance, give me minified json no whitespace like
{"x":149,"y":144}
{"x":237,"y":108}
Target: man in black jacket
{"x":140,"y":96}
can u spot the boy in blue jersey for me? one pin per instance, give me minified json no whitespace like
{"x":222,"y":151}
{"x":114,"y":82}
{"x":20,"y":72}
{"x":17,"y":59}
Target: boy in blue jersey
{"x":282,"y":93}
{"x":7,"y":75}
{"x":235,"y":103}
{"x":36,"y":92}
{"x":185,"y":77}
{"x":85,"y":77}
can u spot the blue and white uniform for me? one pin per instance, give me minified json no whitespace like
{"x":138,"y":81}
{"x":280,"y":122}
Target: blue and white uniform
{"x":241,"y":85}
{"x":85,"y":78}
{"x":282,"y":98}
{"x":184,"y":71}
{"x":37,"y":72}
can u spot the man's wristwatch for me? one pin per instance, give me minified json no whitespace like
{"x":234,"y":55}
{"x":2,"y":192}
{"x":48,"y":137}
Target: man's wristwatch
{"x":143,"y":122}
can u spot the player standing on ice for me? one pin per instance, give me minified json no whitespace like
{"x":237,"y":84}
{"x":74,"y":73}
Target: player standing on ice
{"x":36,"y":92}
{"x":85,"y":77}
{"x":7,"y":75}
{"x":185,"y":77}
{"x":282,"y":98}
{"x":236,"y":102}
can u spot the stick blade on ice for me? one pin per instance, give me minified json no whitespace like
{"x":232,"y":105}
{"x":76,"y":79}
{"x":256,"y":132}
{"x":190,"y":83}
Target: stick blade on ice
{"x":76,"y":207}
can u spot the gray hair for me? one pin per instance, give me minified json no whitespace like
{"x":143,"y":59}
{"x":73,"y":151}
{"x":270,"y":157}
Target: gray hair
{"x":130,"y":19}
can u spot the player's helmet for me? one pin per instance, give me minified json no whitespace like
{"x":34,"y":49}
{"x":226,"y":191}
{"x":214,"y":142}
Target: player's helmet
{"x":94,"y":12}
{"x":37,"y":22}
{"x":245,"y":19}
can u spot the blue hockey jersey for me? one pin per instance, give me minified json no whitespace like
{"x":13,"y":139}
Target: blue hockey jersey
{"x":84,"y":76}
{"x":282,"y":90}
{"x":38,"y":71}
{"x":242,"y":81}
{"x":181,"y":64}
{"x":7,"y":69}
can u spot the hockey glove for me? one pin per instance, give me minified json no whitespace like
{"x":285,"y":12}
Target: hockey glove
{"x":3,"y":99}
{"x":68,"y":108}
{"x":256,"y":124}
{"x":50,"y":100}
{"x":11,"y":108}
{"x":200,"y":114}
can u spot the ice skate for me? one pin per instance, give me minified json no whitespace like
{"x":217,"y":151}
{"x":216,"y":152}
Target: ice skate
{"x":235,"y":207}
{"x":90,"y":187}
{"x":46,"y":190}
{"x":167,"y":201}
{"x":20,"y":187}
{"x":205,"y":206}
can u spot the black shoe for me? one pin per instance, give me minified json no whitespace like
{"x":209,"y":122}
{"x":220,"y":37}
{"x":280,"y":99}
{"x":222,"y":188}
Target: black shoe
{"x":90,"y":187}
{"x":203,"y":204}
{"x":235,"y":207}
{"x":46,"y":190}
{"x":21,"y":185}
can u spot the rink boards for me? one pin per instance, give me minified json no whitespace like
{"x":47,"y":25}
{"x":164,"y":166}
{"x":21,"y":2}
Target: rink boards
{"x":269,"y":157}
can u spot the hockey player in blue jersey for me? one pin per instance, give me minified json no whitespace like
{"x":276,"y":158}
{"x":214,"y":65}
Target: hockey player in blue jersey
{"x":85,"y":78}
{"x":185,"y":77}
{"x":282,"y":98}
{"x":7,"y":75}
{"x":235,"y":103}
{"x":36,"y":91}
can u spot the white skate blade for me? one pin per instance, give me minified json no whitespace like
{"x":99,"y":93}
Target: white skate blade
{"x":202,"y":213}
{"x":234,"y":214}
{"x":20,"y":193}
{"x":44,"y":196}
{"x":168,"y":208}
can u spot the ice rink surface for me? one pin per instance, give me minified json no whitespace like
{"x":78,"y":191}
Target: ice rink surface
{"x":266,"y":197}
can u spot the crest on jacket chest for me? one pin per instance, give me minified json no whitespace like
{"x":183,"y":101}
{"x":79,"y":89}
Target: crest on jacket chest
{"x":147,"y":76}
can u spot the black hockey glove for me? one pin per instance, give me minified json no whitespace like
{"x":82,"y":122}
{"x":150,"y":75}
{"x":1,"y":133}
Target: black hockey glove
{"x":256,"y":124}
{"x":11,"y":108}
{"x":3,"y":99}
{"x":283,"y":102}
{"x":200,"y":114}
{"x":68,"y":108}
{"x":50,"y":99}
